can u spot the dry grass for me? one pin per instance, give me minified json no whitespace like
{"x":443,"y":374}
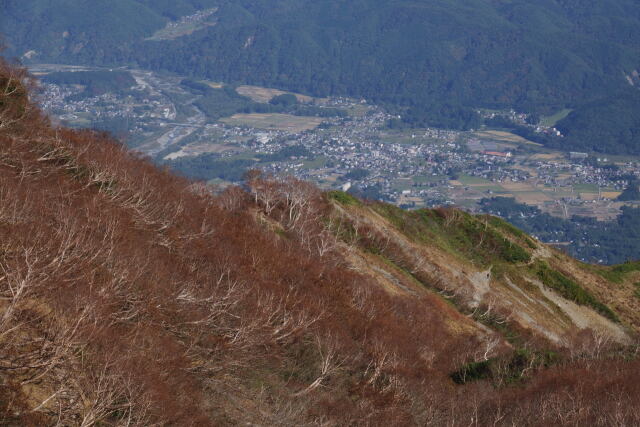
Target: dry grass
{"x":518,"y":186}
{"x":611,"y":194}
{"x":197,"y":149}
{"x":505,"y":136}
{"x":532,"y":198}
{"x":262,"y":94}
{"x":546,"y":156}
{"x":274,"y":121}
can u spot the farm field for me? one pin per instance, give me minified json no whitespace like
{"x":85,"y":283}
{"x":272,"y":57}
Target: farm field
{"x":471,"y":181}
{"x":532,"y":197}
{"x":547,"y":156}
{"x":601,"y":205}
{"x":275,"y":121}
{"x":193,"y":150}
{"x":187,"y":26}
{"x":263,"y":94}
{"x":497,"y":135}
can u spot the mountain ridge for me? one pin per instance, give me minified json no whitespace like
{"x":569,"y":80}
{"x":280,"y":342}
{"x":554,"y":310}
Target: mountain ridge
{"x":274,"y":303}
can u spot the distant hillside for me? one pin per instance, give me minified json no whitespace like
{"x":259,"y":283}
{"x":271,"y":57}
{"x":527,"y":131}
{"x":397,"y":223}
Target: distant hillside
{"x":610,"y":125}
{"x":130,"y":296}
{"x":438,"y":58}
{"x":74,"y":27}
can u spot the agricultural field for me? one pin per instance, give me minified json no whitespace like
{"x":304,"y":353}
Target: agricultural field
{"x":197,"y":149}
{"x":263,"y":94}
{"x":427,"y":179}
{"x":502,"y":136}
{"x":316,"y":163}
{"x":409,"y":137}
{"x":185,"y":26}
{"x":472,"y":181}
{"x":532,"y":197}
{"x":547,"y":156}
{"x":547,"y":198}
{"x":274,"y":121}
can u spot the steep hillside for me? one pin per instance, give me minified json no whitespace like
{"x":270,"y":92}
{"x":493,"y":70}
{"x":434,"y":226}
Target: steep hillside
{"x":129,"y":296}
{"x":482,"y":264}
{"x":441,"y":58}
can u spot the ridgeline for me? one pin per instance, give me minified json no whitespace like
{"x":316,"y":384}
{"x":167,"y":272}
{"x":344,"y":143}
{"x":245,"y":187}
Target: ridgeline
{"x":130,"y":296}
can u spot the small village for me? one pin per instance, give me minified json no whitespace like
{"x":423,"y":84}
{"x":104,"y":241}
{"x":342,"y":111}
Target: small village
{"x":411,"y":168}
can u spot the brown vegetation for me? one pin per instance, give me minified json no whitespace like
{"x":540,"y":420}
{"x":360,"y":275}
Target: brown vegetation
{"x":129,"y":296}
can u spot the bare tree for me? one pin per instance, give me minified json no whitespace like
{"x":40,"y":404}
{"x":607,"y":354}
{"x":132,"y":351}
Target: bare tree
{"x":15,"y":105}
{"x":330,"y":363}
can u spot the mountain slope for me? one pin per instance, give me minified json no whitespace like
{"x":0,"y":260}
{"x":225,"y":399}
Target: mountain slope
{"x":483,"y":263}
{"x":131,"y":296}
{"x":614,"y":120}
{"x":84,"y":29}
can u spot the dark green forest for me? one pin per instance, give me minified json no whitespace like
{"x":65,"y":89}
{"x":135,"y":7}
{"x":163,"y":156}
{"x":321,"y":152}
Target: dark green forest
{"x":436,"y":60}
{"x":610,"y":125}
{"x":607,"y":242}
{"x":631,"y":193}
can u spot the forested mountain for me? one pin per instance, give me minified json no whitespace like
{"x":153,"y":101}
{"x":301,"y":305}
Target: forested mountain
{"x":64,"y":28}
{"x":130,"y":296}
{"x":439,"y":57}
{"x":609,"y":125}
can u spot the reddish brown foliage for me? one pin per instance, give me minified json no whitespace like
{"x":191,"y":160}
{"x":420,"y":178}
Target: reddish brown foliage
{"x":131,"y":296}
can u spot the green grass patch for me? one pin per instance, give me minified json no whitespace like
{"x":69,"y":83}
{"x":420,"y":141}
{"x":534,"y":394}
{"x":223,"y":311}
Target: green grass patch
{"x":497,"y":323}
{"x":553,"y":119}
{"x":466,"y":235}
{"x":570,"y":289}
{"x":316,"y":163}
{"x":617,"y":273}
{"x":394,"y":214}
{"x":402,"y":184}
{"x":585,"y":188}
{"x":494,"y":188}
{"x":343,"y":198}
{"x":513,"y":230}
{"x":469,"y":180}
{"x":427,"y":179}
{"x":483,"y":243}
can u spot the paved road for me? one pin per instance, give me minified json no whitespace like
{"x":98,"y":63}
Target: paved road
{"x":177,"y":131}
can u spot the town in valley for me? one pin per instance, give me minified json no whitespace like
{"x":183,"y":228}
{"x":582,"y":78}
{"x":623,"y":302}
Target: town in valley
{"x":354,"y":151}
